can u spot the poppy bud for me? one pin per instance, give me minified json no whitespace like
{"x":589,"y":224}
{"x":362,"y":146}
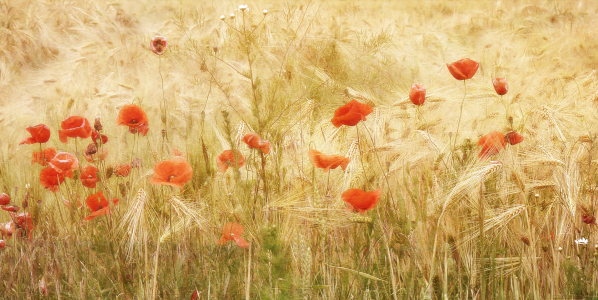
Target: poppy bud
{"x":98,"y":124}
{"x":158,"y":45}
{"x":4,"y":199}
{"x":417,"y":94}
{"x":463,"y":69}
{"x":2,"y":244}
{"x":588,"y":219}
{"x":525,"y":240}
{"x":501,"y":86}
{"x":91,"y":149}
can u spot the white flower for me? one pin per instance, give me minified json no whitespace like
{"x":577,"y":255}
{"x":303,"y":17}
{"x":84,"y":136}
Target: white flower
{"x":582,"y":241}
{"x":232,"y":16}
{"x":560,"y":248}
{"x":265,"y":12}
{"x":243,"y":7}
{"x":222,"y":17}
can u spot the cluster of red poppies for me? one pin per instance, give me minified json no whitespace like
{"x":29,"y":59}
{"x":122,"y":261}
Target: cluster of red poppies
{"x":18,"y":222}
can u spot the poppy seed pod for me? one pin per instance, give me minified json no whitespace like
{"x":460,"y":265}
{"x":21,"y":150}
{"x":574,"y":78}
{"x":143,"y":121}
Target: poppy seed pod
{"x":501,"y":86}
{"x":463,"y":69}
{"x":417,"y":94}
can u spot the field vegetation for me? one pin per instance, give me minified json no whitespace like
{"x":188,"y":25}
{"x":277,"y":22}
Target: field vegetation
{"x":212,"y":180}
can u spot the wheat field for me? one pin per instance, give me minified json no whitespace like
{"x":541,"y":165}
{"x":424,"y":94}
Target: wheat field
{"x":451,"y":222}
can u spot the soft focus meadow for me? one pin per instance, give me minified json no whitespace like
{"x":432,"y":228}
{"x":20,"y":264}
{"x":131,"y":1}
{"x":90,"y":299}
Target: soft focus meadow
{"x":298,"y":149}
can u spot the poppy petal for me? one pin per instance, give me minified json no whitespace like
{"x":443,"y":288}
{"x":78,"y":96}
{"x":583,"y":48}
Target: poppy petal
{"x":100,"y":212}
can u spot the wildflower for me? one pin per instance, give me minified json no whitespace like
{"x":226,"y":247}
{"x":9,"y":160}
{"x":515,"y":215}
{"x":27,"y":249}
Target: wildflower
{"x":227,"y":159}
{"x":560,"y":248}
{"x":99,"y":205}
{"x":89,"y":176}
{"x":328,"y":162}
{"x":91,"y":154}
{"x":11,"y":208}
{"x":463,"y":69}
{"x":74,"y":127}
{"x":501,"y":86}
{"x":232,"y":16}
{"x":4,"y":199}
{"x":174,"y":172}
{"x":360,"y":200}
{"x":254,"y":141}
{"x":588,"y":219}
{"x":417,"y":94}
{"x":265,"y":12}
{"x":43,"y":157}
{"x":582,"y":241}
{"x":242,"y":7}
{"x":133,"y":116}
{"x":7,"y":229}
{"x":491,"y":144}
{"x":23,"y":221}
{"x":51,"y":179}
{"x":39,"y":134}
{"x":96,"y":137}
{"x":122,"y":170}
{"x":351,"y":114}
{"x":65,"y":163}
{"x":513,"y":138}
{"x":158,"y":45}
{"x":222,"y":17}
{"x":233,"y":231}
{"x":2,"y":244}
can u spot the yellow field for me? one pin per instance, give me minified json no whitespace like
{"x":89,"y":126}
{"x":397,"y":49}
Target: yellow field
{"x":449,"y":224}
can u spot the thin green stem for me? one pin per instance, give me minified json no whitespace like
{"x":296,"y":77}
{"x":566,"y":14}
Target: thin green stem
{"x":460,"y":115}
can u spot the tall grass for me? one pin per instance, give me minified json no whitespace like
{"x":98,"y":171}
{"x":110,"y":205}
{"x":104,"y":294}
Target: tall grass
{"x":448,"y":226}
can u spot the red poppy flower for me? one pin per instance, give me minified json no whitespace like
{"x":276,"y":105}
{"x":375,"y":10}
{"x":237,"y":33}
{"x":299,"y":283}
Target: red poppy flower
{"x":491,"y":144}
{"x":4,"y":199}
{"x":254,"y":141}
{"x":158,"y":45}
{"x":133,"y":116}
{"x":2,"y":244}
{"x":513,"y":138}
{"x":227,"y":159}
{"x":360,"y":200}
{"x":7,"y":229}
{"x":39,"y":134}
{"x":233,"y":231}
{"x":43,"y":157}
{"x":51,"y":179}
{"x":89,"y":176}
{"x":122,"y":170}
{"x":588,"y":219}
{"x":96,"y":136}
{"x":463,"y":69}
{"x":65,"y":163}
{"x":74,"y":127}
{"x":351,"y":114}
{"x":174,"y":172}
{"x":23,"y":221}
{"x":501,"y":86}
{"x":417,"y":94}
{"x":11,"y":208}
{"x":99,"y":205}
{"x":327,"y":162}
